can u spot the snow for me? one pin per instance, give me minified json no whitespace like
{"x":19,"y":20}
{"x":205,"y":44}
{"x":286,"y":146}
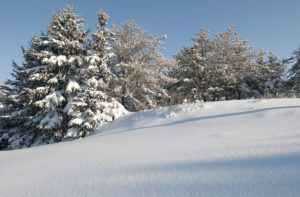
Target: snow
{"x":50,"y":122}
{"x":53,"y":80}
{"x":93,"y":59}
{"x":227,"y":148}
{"x":77,"y":59}
{"x":72,"y":87}
{"x":73,"y":132}
{"x":76,"y":121}
{"x":92,"y":82}
{"x":51,"y":100}
{"x":55,"y":60}
{"x":55,"y":98}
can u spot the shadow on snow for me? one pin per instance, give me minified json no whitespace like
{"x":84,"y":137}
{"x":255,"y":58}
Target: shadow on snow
{"x":204,"y":118}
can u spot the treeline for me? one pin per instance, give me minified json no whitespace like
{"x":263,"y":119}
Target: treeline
{"x":73,"y":81}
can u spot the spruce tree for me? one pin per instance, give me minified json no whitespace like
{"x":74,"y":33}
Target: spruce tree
{"x":6,"y":105}
{"x":47,"y":101}
{"x":92,"y":106}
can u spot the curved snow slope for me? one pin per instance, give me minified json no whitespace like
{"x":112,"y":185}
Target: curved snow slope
{"x":230,"y":148}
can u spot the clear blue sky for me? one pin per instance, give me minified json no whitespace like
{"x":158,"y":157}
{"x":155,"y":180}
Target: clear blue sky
{"x":269,"y":24}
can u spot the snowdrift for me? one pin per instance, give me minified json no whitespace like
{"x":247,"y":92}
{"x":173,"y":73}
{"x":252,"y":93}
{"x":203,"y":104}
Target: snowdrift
{"x":228,"y":148}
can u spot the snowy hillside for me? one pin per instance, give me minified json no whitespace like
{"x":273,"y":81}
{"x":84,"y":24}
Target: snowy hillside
{"x":229,"y":148}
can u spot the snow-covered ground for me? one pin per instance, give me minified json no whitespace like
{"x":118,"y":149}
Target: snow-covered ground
{"x":228,"y":148}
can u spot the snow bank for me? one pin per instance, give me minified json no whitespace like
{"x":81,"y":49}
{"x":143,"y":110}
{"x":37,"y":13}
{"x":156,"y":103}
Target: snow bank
{"x":230,"y":148}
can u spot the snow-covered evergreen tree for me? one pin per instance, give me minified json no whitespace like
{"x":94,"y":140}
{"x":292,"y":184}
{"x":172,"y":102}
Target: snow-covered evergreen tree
{"x":269,"y":77}
{"x":48,"y":97}
{"x":139,"y":66}
{"x":275,"y":76}
{"x":225,"y":67}
{"x":232,"y":58}
{"x":212,"y":69}
{"x":6,"y":105}
{"x":294,"y":72}
{"x":91,"y":106}
{"x":194,"y":73}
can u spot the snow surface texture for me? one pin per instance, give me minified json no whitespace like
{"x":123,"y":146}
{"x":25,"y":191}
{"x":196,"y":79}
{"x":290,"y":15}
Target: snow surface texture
{"x":229,"y":148}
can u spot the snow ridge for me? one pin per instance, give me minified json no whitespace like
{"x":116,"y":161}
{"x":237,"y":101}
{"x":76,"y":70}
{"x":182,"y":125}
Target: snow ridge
{"x":228,"y":148}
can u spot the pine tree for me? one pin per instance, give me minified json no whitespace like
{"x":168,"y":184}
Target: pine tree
{"x":275,"y":77}
{"x":139,"y":66}
{"x":194,"y":72}
{"x":212,"y":69}
{"x":233,"y":59}
{"x":47,"y":101}
{"x":257,"y":78}
{"x":270,"y":74}
{"x":294,"y":72}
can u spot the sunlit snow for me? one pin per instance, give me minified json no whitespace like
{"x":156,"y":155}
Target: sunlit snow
{"x":228,"y":148}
